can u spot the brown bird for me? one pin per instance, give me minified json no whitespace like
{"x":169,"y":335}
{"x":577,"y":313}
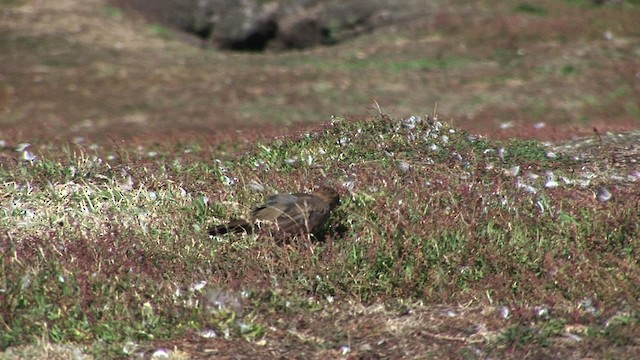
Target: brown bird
{"x":297,"y":213}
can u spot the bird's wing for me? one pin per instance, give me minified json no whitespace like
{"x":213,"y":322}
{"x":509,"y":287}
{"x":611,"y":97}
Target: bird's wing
{"x":273,"y":207}
{"x":280,"y":200}
{"x":305,"y":216}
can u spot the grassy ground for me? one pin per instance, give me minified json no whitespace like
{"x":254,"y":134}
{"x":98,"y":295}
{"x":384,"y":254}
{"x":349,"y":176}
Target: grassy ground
{"x":520,"y":247}
{"x":446,"y":244}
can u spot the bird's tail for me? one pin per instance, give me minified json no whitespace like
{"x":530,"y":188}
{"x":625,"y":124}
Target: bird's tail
{"x":233,"y":226}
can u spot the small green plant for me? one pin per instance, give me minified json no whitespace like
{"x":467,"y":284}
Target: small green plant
{"x":160,"y":31}
{"x":528,"y":8}
{"x":621,"y":329}
{"x":519,"y":336}
{"x":113,"y":12}
{"x":519,"y":151}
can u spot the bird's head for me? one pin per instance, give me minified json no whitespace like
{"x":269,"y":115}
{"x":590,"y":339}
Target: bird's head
{"x":328,"y":195}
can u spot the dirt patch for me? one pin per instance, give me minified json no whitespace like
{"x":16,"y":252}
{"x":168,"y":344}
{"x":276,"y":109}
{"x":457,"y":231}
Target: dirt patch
{"x":409,"y":331}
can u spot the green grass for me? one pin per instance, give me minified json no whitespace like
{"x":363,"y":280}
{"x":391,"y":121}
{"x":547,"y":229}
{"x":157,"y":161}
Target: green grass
{"x":160,"y":31}
{"x":105,"y":252}
{"x":528,"y":8}
{"x":11,"y":2}
{"x":424,"y":64}
{"x":113,"y":12}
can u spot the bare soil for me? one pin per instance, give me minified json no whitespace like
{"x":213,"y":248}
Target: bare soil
{"x":83,"y":70}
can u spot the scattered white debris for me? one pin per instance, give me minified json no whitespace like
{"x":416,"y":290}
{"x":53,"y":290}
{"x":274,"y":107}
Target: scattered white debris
{"x":160,"y":354}
{"x":309,"y":159}
{"x":344,"y":349}
{"x":542,"y":311}
{"x":568,"y":181}
{"x":526,"y":187}
{"x":208,"y":334}
{"x":221,"y":299}
{"x":349,"y":184}
{"x":258,"y":164}
{"x":255,"y":186}
{"x":291,"y":160}
{"x":505,"y":313}
{"x":129,"y":347}
{"x":584,"y":182}
{"x":244,"y":328}
{"x":505,"y":125}
{"x":227,"y":181}
{"x":28,"y":156}
{"x":411,"y":120}
{"x":198,"y":286}
{"x":22,"y":146}
{"x":574,"y":337}
{"x":603,"y":194}
{"x":587,"y":305}
{"x":409,"y":123}
{"x":539,"y":125}
{"x":551,"y":182}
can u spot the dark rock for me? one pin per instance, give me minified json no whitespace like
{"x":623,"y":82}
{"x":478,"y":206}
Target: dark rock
{"x":257,"y":25}
{"x":240,"y":25}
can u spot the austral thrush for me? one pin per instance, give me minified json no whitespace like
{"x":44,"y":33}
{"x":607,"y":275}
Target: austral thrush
{"x":297,"y":213}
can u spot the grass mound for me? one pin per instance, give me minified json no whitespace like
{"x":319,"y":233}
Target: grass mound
{"x":110,"y":249}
